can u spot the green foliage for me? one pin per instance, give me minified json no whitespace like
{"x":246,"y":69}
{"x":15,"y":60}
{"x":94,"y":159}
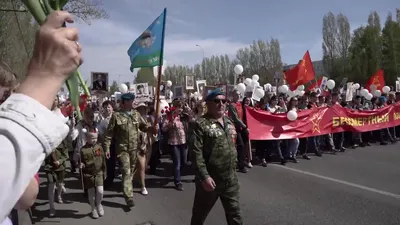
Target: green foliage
{"x":146,"y":75}
{"x":114,"y":87}
{"x":369,"y":49}
{"x":261,"y":57}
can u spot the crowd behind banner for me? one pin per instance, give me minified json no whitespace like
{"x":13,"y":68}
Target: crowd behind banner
{"x":320,"y":121}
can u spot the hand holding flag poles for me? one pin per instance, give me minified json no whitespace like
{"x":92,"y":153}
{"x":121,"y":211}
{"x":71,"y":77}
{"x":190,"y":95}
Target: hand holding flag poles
{"x":40,"y":9}
{"x":148,"y":51}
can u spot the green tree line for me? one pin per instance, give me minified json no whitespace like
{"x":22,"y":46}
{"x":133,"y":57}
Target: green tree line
{"x":359,"y":54}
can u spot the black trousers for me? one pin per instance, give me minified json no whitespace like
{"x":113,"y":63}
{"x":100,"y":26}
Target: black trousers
{"x":155,"y":156}
{"x":111,"y":163}
{"x":240,"y":150}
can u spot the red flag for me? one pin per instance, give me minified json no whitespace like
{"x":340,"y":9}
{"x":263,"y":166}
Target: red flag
{"x":377,"y":79}
{"x":302,"y":73}
{"x":314,"y":85}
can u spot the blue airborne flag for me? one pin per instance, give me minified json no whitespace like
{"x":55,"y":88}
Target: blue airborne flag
{"x":147,"y":50}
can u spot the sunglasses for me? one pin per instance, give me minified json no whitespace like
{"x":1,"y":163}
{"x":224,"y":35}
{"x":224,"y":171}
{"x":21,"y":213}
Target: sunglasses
{"x":217,"y":101}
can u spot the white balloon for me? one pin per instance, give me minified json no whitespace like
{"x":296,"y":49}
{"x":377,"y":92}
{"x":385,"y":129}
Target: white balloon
{"x":268,"y":86}
{"x":330,"y":84}
{"x":283,"y":89}
{"x":169,"y":83}
{"x":196,"y":93}
{"x":123,"y":88}
{"x":292,"y":115}
{"x":259,"y":92}
{"x":238,"y":69}
{"x":364,"y":92}
{"x":356,"y":86}
{"x":372,"y":87}
{"x":255,"y":83}
{"x":300,"y":88}
{"x":241,"y":88}
{"x":255,"y":77}
{"x":249,"y":88}
{"x":377,"y":93}
{"x":368,"y":96}
{"x":386,"y":89}
{"x":247,"y":81}
{"x":301,"y":93}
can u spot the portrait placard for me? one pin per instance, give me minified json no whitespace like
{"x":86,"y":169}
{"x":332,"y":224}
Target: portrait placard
{"x":189,"y":82}
{"x":99,"y":81}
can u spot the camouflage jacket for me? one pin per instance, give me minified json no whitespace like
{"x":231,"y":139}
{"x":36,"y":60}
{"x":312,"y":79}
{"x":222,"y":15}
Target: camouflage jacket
{"x":94,"y":159}
{"x":60,"y":154}
{"x":125,"y":127}
{"x":213,"y":148}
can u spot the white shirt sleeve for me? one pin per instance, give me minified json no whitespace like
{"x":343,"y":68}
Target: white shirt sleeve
{"x":28,"y":133}
{"x":80,"y":142}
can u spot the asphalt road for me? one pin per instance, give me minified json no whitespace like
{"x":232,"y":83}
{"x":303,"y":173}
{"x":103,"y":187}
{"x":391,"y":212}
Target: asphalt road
{"x":358,"y":187}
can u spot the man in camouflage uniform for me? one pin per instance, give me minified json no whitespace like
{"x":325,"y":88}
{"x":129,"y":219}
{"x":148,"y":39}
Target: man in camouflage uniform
{"x":241,"y":130}
{"x":124,"y":126}
{"x":213,"y":145}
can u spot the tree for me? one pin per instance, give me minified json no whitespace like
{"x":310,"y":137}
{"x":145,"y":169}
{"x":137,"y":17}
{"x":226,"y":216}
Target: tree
{"x":17,"y":37}
{"x":85,"y":10}
{"x":113,"y":88}
{"x":329,"y":44}
{"x":391,"y":49}
{"x":261,"y":57}
{"x":343,"y":44}
{"x":17,"y":32}
{"x":145,"y":75}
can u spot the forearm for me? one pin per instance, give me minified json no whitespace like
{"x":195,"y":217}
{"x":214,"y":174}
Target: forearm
{"x":29,"y":196}
{"x":42,"y":90}
{"x":29,"y":133}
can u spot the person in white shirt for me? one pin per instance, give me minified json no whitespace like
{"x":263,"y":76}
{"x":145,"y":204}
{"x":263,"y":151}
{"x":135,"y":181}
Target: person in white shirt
{"x":29,"y":131}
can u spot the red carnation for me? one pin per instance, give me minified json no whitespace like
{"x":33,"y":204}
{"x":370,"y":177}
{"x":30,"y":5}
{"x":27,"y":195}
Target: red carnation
{"x":172,"y":108}
{"x":162,"y":110}
{"x":166,"y":107}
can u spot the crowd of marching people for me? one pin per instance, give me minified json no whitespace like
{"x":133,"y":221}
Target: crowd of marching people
{"x":104,"y":139}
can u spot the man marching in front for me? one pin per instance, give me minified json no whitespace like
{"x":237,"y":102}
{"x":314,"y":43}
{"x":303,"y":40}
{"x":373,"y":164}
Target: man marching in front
{"x":215,"y":157}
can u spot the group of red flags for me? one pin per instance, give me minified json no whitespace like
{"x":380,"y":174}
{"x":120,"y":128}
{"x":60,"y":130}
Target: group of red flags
{"x":303,"y":73}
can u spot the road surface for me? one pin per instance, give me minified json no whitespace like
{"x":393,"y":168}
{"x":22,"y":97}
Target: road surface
{"x":358,"y":187}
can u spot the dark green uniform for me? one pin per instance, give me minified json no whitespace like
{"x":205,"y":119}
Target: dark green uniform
{"x":93,"y":157}
{"x":56,"y":173}
{"x":124,"y":127}
{"x":214,"y":151}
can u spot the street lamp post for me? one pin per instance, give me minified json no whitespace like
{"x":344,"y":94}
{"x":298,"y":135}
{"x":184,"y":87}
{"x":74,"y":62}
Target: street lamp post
{"x":203,"y":72}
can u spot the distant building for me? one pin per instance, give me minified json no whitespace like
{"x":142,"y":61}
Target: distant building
{"x":318,"y":68}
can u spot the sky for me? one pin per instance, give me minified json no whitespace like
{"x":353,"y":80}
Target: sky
{"x":218,"y":26}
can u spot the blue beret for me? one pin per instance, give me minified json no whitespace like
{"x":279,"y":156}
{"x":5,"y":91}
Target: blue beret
{"x":211,"y":96}
{"x":127,"y":96}
{"x":382,"y":98}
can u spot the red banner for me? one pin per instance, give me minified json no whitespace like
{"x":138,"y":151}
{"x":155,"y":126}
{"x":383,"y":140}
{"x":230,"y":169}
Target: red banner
{"x":266,"y":126}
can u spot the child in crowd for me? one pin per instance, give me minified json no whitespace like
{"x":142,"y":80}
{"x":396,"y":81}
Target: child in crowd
{"x":93,"y":164}
{"x":55,"y":165}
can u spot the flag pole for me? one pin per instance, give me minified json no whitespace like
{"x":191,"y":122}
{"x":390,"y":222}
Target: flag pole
{"x":156,"y":119}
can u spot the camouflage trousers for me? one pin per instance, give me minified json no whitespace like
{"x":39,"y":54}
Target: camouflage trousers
{"x":128,"y":161}
{"x":204,"y":201}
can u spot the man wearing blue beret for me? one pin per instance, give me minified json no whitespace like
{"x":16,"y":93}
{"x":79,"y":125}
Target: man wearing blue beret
{"x":124,"y":127}
{"x":213,"y":146}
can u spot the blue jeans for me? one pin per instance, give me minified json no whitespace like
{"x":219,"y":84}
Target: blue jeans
{"x":179,"y":157}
